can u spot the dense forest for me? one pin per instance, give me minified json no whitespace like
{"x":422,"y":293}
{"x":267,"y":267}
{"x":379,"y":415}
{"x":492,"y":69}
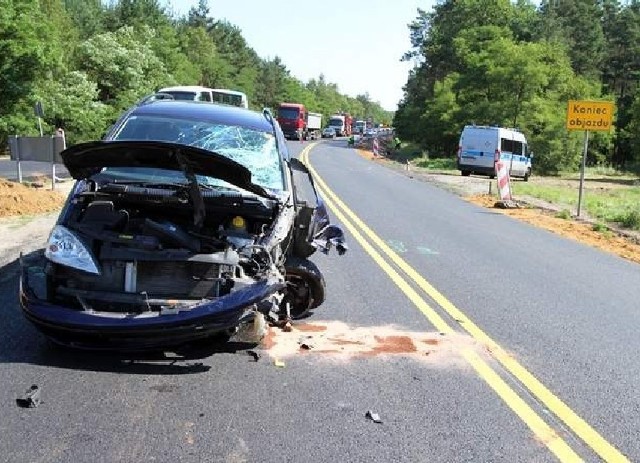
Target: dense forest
{"x":88,"y":60}
{"x":516,"y":64}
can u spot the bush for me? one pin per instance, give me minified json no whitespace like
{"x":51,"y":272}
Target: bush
{"x":564,"y":214}
{"x":631,"y":219}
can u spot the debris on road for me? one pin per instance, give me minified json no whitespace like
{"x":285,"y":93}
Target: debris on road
{"x":506,"y":204}
{"x":254,"y":354}
{"x":373,"y":417}
{"x":31,"y":398}
{"x":279,"y":363}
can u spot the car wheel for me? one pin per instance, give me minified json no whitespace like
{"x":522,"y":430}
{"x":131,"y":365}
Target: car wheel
{"x":305,"y":286}
{"x":466,"y":173}
{"x":527,"y":175}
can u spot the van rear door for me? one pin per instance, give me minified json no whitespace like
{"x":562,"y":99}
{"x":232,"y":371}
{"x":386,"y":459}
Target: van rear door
{"x":478,"y":148}
{"x":513,"y":147}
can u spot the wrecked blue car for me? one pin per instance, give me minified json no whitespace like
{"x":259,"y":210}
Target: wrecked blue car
{"x":189,"y":221}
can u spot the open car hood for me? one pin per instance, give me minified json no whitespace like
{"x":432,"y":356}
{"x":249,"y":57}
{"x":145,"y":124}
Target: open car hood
{"x":86,"y":159}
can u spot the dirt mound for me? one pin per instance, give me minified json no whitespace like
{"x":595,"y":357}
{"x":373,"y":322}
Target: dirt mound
{"x":18,"y":199}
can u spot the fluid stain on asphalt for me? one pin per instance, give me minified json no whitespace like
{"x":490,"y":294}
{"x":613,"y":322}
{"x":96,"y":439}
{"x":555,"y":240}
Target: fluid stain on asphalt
{"x":393,"y":345}
{"x":339,"y":341}
{"x":314,"y":328}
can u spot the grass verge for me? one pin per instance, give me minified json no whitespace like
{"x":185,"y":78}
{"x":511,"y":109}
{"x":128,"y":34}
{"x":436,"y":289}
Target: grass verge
{"x":618,"y":205}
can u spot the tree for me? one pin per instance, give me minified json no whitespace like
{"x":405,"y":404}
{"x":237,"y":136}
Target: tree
{"x":123,"y":65}
{"x":578,"y":25}
{"x":243,"y":60}
{"x":87,"y":15}
{"x":72,"y":103}
{"x":271,"y":83}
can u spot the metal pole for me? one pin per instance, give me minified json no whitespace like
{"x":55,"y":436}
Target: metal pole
{"x":40,"y":126}
{"x":18,"y":160}
{"x":584,"y":164}
{"x":53,"y":164}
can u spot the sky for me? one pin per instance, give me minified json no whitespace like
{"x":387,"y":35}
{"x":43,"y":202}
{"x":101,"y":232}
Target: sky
{"x":355,"y":44}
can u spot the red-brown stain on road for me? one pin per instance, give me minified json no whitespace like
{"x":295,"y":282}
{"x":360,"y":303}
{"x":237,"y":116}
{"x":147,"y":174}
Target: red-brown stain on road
{"x":339,"y":341}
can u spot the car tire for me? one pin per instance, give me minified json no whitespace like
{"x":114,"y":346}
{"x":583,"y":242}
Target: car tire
{"x":306,"y":287}
{"x":465,"y":173}
{"x":527,"y":175}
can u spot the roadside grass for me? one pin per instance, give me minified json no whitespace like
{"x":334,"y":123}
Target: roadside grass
{"x":563,"y":214}
{"x":437,"y":163}
{"x":419,"y":158}
{"x":616,"y":205}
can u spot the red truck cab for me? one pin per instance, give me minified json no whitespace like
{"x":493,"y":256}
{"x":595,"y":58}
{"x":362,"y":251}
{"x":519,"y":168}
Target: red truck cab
{"x":292,"y":118}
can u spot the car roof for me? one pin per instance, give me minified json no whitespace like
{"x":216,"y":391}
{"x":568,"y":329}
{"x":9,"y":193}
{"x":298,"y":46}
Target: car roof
{"x":203,"y":111}
{"x":184,"y":88}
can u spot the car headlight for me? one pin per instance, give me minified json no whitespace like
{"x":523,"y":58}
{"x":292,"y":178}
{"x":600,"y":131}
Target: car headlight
{"x":65,"y":248}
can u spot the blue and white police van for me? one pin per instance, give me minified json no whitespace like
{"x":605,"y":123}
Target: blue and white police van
{"x":481,"y":147}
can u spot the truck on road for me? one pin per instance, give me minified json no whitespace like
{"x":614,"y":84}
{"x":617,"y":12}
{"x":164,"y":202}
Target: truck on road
{"x":341,"y":123}
{"x":298,"y":123}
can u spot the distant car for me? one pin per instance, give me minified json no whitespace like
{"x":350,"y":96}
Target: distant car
{"x":329,"y":132}
{"x":189,"y":221}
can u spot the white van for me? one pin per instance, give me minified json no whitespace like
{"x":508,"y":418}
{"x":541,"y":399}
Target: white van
{"x":481,"y":147}
{"x":211,"y":95}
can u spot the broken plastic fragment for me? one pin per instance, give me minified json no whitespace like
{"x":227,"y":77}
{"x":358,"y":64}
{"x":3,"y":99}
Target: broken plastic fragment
{"x":279,"y":363}
{"x":305,"y":346}
{"x":373,"y":417}
{"x":31,"y":398}
{"x":254,"y":354}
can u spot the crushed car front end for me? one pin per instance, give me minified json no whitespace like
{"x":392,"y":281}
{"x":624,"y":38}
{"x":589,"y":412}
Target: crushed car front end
{"x":188,"y":221}
{"x":126,"y":267}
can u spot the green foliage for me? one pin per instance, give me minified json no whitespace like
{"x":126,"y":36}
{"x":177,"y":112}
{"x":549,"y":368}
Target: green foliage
{"x":88,"y":60}
{"x":123,"y":65}
{"x":512,"y":64}
{"x":563,"y":214}
{"x":438,"y":164}
{"x":72,"y":103}
{"x":600,"y":227}
{"x":630,"y":219}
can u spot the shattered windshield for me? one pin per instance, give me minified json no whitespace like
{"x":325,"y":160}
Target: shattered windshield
{"x":254,"y":149}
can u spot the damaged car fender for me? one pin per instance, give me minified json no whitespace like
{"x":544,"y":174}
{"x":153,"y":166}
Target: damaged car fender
{"x":313,"y":229}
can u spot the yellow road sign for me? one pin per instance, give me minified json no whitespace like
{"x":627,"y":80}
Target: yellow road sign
{"x":589,"y":115}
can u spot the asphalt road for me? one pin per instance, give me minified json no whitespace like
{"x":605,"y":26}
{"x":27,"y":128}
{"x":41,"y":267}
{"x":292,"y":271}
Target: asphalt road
{"x":531,"y":354}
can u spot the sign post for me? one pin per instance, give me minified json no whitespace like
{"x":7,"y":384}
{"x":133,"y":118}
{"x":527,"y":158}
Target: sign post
{"x":588,"y":116}
{"x":39,"y":114}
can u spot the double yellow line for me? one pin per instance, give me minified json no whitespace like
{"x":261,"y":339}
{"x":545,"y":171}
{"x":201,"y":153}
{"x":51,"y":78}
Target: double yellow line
{"x":372,"y":244}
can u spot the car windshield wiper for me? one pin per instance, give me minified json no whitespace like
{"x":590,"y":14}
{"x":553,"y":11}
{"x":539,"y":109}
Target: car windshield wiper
{"x":151,"y":184}
{"x":144,"y":183}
